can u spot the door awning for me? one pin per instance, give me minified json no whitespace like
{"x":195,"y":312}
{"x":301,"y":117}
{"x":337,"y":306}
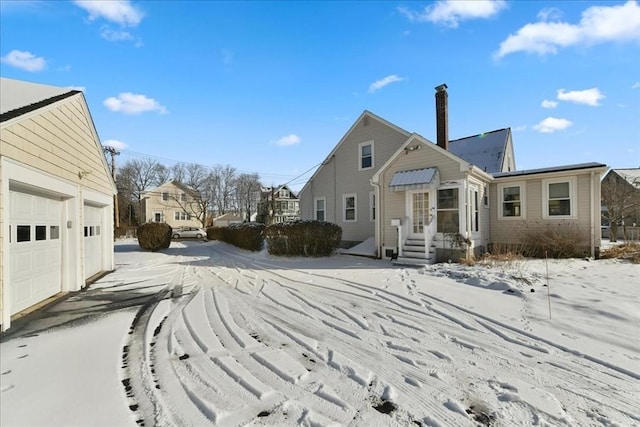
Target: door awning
{"x":416,"y":179}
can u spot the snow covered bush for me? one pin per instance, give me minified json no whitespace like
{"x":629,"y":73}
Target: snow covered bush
{"x":303,"y":238}
{"x":154,"y":236}
{"x":247,"y":235}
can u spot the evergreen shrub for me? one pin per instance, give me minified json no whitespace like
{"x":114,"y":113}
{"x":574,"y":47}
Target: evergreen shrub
{"x":154,"y":236}
{"x":303,"y":238}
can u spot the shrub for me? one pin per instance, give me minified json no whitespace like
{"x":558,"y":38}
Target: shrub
{"x":562,"y":240}
{"x":216,"y":233}
{"x":248,"y":235}
{"x":154,"y":236}
{"x":303,"y":238}
{"x":630,"y":251}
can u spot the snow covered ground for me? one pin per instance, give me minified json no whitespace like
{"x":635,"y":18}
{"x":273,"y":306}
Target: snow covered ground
{"x":207,"y":334}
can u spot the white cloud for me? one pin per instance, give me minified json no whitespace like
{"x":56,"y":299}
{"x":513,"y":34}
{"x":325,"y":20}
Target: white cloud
{"x":598,"y":24}
{"x":636,"y":85}
{"x":379,"y":84}
{"x":118,"y":145}
{"x":24,"y":60}
{"x":118,"y":11}
{"x":451,"y":12}
{"x":587,"y":97}
{"x":115,"y":35}
{"x":550,"y":14}
{"x":549,"y":104}
{"x":131,"y":103}
{"x":552,"y":124}
{"x":288,"y":140}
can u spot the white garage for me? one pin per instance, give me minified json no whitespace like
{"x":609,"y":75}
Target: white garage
{"x":35,"y":249}
{"x":56,"y":197}
{"x":92,"y":233}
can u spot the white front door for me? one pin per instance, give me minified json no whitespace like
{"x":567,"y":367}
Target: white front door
{"x":419,"y":213}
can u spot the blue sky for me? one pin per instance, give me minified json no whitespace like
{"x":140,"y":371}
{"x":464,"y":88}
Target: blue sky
{"x":271,"y":87}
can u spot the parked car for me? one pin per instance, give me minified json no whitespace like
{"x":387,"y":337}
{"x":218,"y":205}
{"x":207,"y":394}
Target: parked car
{"x":187,"y":232}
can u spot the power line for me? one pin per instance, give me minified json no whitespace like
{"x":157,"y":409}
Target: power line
{"x":173,"y":161}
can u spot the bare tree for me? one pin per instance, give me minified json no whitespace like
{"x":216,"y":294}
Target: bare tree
{"x":248,"y":193}
{"x":163,"y":174}
{"x":621,"y":198}
{"x":222,"y":182}
{"x":137,"y":176}
{"x":178,"y":172}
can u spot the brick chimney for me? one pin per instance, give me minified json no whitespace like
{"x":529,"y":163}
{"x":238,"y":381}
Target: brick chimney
{"x":442,"y":116}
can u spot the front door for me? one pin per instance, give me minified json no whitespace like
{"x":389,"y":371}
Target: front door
{"x":419,"y":213}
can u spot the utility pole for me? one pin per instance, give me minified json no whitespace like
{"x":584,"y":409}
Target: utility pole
{"x":113,"y":152}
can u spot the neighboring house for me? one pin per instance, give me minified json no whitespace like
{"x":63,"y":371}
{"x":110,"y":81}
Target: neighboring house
{"x":440,"y":201}
{"x":621,"y":202}
{"x":173,"y":203}
{"x":227,"y":219}
{"x":56,"y":196}
{"x":277,"y":205}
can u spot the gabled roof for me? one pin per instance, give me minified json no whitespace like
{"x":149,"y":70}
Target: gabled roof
{"x":19,"y":97}
{"x":592,"y":165}
{"x":177,"y":184}
{"x":485,"y":150}
{"x":464,"y":165}
{"x":268,"y":190}
{"x":365,"y":114}
{"x":632,"y":175}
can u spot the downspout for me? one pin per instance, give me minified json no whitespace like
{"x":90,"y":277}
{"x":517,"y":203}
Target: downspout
{"x":378,"y":223}
{"x":593,"y":207}
{"x":467,"y":233}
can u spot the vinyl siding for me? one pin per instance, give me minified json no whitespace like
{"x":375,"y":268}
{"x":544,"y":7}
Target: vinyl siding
{"x":511,"y":231}
{"x":394,"y":201}
{"x":153,"y":203}
{"x":58,"y":140}
{"x":340,"y":175}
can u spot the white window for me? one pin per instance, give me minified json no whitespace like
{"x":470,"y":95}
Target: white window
{"x":559,"y":198}
{"x":372,"y":206}
{"x":183,"y":197}
{"x":349,"y":210}
{"x":448,"y":211}
{"x":320,"y":208}
{"x":485,"y":197}
{"x":181,"y":216}
{"x":475,"y":213}
{"x":365,"y":155}
{"x":165,"y":196}
{"x":157,"y":217}
{"x":511,"y":199}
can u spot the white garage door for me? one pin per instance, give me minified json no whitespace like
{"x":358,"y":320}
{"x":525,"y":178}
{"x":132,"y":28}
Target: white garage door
{"x":35,"y":249}
{"x":92,"y":240}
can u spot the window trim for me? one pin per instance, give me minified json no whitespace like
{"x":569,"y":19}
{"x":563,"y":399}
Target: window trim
{"x":315,"y":208}
{"x":457,"y":209}
{"x":164,"y":196}
{"x":373,"y":158}
{"x":355,"y":207}
{"x":573,"y":197}
{"x":523,"y":201}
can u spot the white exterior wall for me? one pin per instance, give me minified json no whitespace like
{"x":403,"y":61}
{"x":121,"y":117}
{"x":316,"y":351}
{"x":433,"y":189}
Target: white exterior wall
{"x":587,"y":201}
{"x":55,"y":151}
{"x":340,"y":175}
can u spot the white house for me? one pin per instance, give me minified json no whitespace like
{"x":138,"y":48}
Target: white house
{"x":430,"y":202}
{"x":56,"y":197}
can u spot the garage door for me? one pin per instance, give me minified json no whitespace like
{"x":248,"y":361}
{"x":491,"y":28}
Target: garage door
{"x":92,"y":240}
{"x":35,"y":249}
